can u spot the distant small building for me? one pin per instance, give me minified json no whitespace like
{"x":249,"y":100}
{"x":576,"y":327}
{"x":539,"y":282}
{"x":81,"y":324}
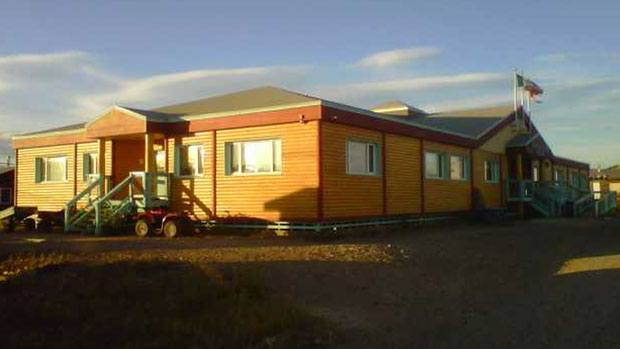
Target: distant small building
{"x":605,"y":180}
{"x":7,"y":180}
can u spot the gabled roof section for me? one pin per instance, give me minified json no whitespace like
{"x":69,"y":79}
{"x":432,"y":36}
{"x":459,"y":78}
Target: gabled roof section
{"x":397,"y":107}
{"x":472,"y":122}
{"x":610,"y":173}
{"x":261,"y":97}
{"x":154,"y":116}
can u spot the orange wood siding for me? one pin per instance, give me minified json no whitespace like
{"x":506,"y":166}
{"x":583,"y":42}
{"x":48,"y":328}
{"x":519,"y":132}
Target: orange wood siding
{"x":84,"y":148}
{"x":109,"y":153}
{"x":46,"y":196}
{"x":286,"y":196}
{"x":403,"y":181}
{"x":504,"y":176}
{"x":192,"y":195}
{"x":445,"y":195}
{"x":115,"y":123}
{"x":347,"y":195}
{"x":546,"y":171}
{"x":489,"y":194}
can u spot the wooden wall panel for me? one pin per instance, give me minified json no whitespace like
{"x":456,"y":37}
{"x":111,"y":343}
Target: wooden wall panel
{"x":45,"y":196}
{"x":109,"y":154}
{"x":291,"y":195}
{"x":192,"y":195}
{"x":348,"y":195}
{"x":489,"y":194}
{"x":403,"y":178}
{"x":445,"y":195}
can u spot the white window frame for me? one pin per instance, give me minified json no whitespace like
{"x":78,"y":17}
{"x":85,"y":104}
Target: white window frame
{"x":370,"y":148}
{"x":10,"y":190}
{"x":44,"y":173}
{"x":158,"y":155}
{"x":441,"y":161}
{"x":536,"y":173}
{"x":275,"y":168}
{"x":494,"y":166}
{"x":198,"y":171}
{"x":93,"y":161}
{"x":463,"y":176}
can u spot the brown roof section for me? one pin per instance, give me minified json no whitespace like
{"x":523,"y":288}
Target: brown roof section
{"x":261,"y":97}
{"x":472,"y":122}
{"x":73,"y":127}
{"x":477,"y":112}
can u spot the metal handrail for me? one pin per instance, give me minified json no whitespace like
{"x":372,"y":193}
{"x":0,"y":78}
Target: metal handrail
{"x":69,"y":205}
{"x":97,"y":204}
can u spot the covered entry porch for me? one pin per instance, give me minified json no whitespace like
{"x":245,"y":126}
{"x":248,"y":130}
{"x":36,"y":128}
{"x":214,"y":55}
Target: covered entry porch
{"x":126,"y":174}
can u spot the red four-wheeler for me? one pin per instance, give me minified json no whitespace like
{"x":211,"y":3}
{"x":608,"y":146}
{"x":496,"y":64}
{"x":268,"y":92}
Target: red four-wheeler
{"x":160,"y":221}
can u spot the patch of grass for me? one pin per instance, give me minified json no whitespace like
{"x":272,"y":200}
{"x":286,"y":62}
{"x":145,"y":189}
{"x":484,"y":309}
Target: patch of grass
{"x":56,"y":301}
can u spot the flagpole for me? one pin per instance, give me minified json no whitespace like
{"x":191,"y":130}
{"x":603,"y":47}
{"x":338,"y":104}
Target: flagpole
{"x":522,"y":92}
{"x":515,"y":89}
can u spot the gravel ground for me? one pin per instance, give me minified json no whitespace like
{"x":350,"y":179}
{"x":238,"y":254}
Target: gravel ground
{"x":530,"y":284}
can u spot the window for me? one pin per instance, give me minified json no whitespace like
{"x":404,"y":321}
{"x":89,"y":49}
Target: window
{"x":574,"y":179}
{"x":584,"y":181}
{"x":52,"y":169}
{"x":491,"y":171}
{"x":160,"y":161}
{"x":362,"y":158}
{"x":90,"y":163}
{"x":458,"y":167}
{"x":5,"y":196}
{"x":264,"y":156}
{"x":434,"y":165}
{"x":188,"y":160}
{"x":535,"y":175}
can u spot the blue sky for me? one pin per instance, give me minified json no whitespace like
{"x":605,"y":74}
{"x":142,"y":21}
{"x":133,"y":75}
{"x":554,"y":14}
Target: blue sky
{"x":65,"y":61}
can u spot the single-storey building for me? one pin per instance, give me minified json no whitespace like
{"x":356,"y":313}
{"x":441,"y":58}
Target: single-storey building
{"x":7,"y":176}
{"x":273,"y":155}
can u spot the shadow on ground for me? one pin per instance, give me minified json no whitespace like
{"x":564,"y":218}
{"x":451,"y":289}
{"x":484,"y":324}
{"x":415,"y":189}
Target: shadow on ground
{"x":450,"y":286}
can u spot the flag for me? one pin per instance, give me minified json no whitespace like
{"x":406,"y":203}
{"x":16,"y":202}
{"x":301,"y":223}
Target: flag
{"x":519,"y":80}
{"x":531,"y":87}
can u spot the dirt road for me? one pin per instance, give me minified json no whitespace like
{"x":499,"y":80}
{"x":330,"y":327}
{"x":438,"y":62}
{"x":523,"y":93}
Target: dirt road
{"x":541,"y":283}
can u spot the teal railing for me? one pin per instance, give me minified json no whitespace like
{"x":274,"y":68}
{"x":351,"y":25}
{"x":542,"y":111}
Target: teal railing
{"x":606,"y":203}
{"x":73,"y":217}
{"x":551,"y":198}
{"x":142,"y":192}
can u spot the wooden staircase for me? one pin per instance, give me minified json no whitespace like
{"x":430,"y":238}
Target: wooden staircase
{"x":113,"y":204}
{"x":552,"y":198}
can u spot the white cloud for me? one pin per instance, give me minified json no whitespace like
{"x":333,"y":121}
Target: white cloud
{"x":379,"y":91}
{"x":179,"y":87}
{"x":467,"y":103}
{"x":395,"y":58}
{"x":568,"y":57}
{"x":430,"y":82}
{"x":39,"y":91}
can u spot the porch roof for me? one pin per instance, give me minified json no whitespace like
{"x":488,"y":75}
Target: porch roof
{"x":522,"y":140}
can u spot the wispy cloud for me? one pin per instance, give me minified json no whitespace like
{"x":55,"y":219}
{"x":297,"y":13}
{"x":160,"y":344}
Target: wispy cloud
{"x":395,"y":58}
{"x":378,"y":91}
{"x":178,"y":87}
{"x":39,"y":91}
{"x":466,"y":103}
{"x":568,"y":57}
